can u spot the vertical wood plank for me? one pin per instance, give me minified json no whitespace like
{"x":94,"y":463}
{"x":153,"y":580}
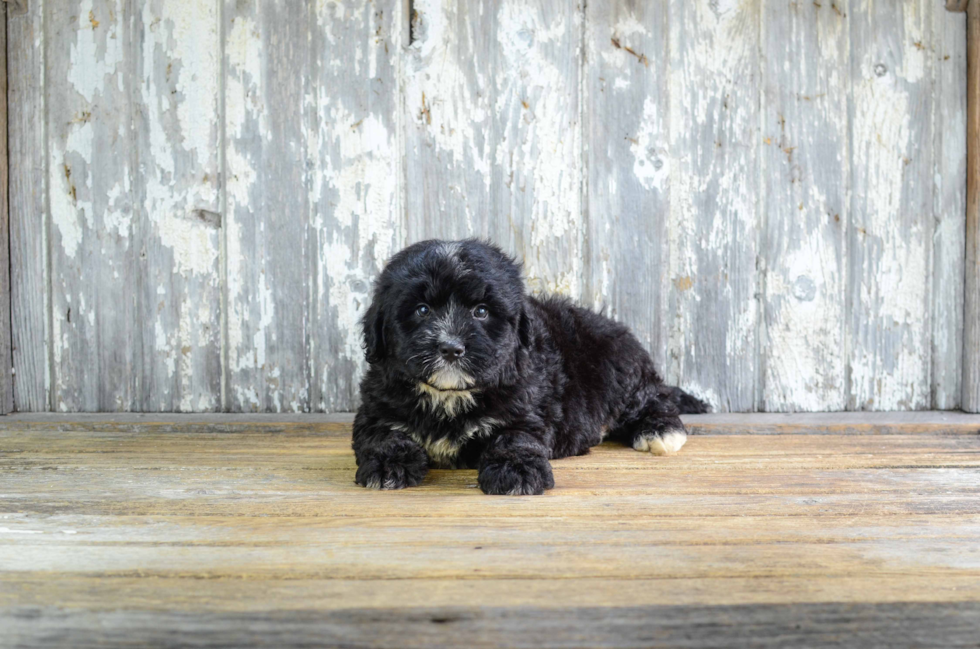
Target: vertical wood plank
{"x":536,"y":205}
{"x":889,"y":242}
{"x":948,"y":58}
{"x":357,"y":211}
{"x":6,"y":358}
{"x":94,"y":243}
{"x":714,"y":200}
{"x":805,"y":167}
{"x":971,"y":334}
{"x":29,"y":287}
{"x":448,"y":115}
{"x":178,"y":206}
{"x":627,"y":140}
{"x":268,"y":100}
{"x":493,"y":132}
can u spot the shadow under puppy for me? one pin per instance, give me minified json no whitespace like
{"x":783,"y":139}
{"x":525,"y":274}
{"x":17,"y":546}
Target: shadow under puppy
{"x":467,"y":370}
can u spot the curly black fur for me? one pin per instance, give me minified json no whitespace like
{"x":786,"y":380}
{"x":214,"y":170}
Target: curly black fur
{"x":467,"y":370}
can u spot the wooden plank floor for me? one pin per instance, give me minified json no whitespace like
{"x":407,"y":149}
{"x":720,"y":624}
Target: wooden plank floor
{"x":249,"y":531}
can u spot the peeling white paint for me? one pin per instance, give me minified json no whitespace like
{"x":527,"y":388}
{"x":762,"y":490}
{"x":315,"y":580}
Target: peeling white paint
{"x":451,"y":114}
{"x":805,"y":366}
{"x":714,"y":200}
{"x":917,"y":45}
{"x":652,"y":170}
{"x":96,"y":52}
{"x":889,"y":367}
{"x":804,"y":175}
{"x":356,"y":185}
{"x":244,"y":88}
{"x":178,"y":152}
{"x":70,"y":177}
{"x":185,"y":38}
{"x":164,"y":345}
{"x":244,"y":50}
{"x":545,"y":152}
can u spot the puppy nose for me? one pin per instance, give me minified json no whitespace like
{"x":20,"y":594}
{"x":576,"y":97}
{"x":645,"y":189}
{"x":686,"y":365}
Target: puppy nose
{"x":451,"y":350}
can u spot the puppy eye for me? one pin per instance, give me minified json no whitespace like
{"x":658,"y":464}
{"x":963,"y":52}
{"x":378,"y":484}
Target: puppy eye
{"x":422,"y":310}
{"x":481,"y":312}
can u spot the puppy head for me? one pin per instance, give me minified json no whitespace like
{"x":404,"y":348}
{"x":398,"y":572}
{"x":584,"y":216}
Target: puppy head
{"x":448,"y":315}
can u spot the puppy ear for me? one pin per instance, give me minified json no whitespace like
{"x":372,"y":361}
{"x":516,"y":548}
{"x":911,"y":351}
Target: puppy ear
{"x":373,"y":327}
{"x":524,"y":328}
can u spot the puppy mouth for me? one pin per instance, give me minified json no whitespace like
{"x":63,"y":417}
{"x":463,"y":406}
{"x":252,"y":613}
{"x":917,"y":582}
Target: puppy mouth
{"x":449,"y":379}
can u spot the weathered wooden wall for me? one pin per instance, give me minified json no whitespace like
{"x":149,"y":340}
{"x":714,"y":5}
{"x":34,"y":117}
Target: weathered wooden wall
{"x":771,"y":192}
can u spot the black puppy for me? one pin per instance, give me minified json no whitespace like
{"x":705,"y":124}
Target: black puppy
{"x":467,"y":370}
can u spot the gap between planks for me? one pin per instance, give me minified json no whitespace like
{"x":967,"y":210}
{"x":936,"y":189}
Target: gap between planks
{"x":825,"y":423}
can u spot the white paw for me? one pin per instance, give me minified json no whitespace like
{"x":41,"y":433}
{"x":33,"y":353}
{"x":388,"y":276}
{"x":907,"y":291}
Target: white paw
{"x":666,"y":443}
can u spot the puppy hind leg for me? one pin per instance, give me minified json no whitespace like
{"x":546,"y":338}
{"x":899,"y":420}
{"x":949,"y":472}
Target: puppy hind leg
{"x":660,"y":436}
{"x":657,"y":430}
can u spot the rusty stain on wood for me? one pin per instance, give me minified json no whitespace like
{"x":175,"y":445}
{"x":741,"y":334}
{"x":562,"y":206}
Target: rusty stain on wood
{"x":642,"y":58}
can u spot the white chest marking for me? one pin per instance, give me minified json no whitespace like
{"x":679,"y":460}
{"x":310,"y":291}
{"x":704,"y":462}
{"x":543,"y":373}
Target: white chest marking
{"x":443,"y":451}
{"x":448,"y":403}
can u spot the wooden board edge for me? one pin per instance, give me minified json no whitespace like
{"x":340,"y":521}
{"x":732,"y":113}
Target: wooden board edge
{"x":971,"y":320}
{"x":850,"y":423}
{"x":902,"y":624}
{"x":6,"y":353}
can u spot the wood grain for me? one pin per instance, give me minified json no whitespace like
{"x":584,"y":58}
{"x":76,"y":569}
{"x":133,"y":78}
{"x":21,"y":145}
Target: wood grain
{"x":890,"y":234}
{"x":269,"y":107}
{"x":95,"y":252}
{"x":29,"y":220}
{"x":448,"y":113}
{"x":111,"y":534}
{"x":536,"y":207}
{"x":493,"y":132}
{"x":826,"y":423}
{"x":177,"y":204}
{"x":806,"y":174}
{"x":627,"y":141}
{"x":971,"y":317}
{"x":949,"y":245}
{"x":715,"y":203}
{"x":6,"y":357}
{"x":773,"y":625}
{"x":357,"y":185}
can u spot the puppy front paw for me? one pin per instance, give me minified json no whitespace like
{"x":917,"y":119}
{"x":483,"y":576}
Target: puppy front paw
{"x":665,"y":442}
{"x":397,"y":467}
{"x":528,"y":476}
